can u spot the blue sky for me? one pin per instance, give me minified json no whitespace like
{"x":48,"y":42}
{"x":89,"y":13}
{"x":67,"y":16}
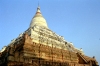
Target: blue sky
{"x":77,"y":20}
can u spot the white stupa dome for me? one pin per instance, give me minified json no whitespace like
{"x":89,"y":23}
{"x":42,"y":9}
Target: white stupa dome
{"x":38,"y":19}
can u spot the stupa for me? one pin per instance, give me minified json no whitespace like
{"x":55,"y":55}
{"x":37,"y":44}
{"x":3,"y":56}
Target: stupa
{"x":40,"y":46}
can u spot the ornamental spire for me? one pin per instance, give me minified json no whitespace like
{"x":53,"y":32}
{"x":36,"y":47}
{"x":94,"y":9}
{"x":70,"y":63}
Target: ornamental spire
{"x":38,"y":4}
{"x":38,"y":9}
